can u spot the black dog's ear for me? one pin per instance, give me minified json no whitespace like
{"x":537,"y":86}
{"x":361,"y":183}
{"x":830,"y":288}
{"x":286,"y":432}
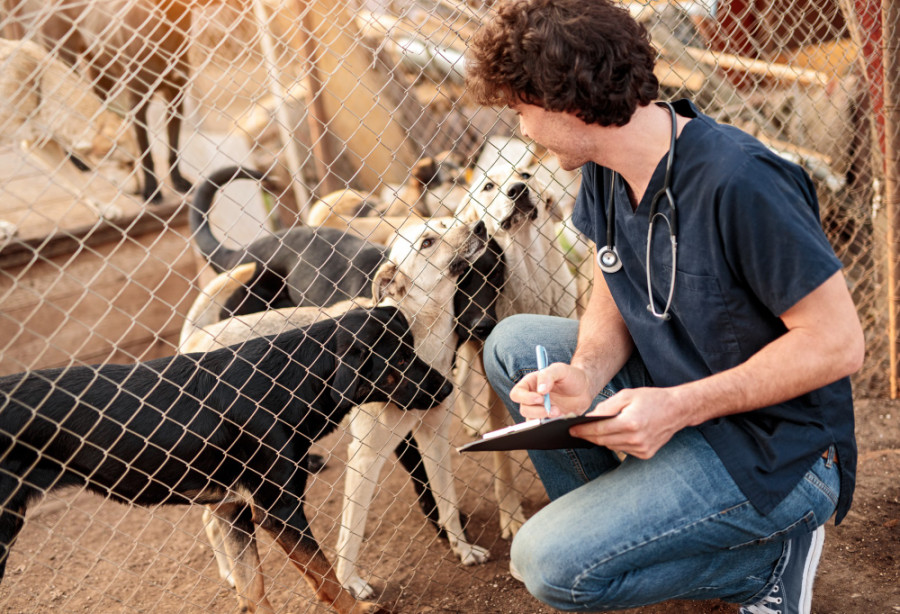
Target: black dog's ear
{"x":350,"y":359}
{"x":389,"y":282}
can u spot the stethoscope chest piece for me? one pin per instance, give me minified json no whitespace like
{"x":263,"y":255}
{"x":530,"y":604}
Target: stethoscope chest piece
{"x":608,"y":259}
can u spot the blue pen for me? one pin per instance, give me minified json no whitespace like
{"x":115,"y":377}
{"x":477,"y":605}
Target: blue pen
{"x":542,"y":364}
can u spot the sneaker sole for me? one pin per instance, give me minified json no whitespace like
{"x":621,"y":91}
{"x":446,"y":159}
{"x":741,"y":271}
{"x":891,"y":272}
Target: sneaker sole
{"x":812,"y":563}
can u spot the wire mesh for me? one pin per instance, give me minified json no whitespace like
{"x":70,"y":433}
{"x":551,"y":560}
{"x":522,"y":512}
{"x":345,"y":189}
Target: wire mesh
{"x":354,"y":116}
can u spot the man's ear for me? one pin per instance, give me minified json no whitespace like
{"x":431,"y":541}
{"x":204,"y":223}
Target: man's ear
{"x":389,"y":282}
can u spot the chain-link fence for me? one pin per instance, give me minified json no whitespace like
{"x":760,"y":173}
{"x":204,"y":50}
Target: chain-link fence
{"x":124,"y":214}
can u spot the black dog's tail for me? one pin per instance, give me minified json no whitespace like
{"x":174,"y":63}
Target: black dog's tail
{"x":220,"y":257}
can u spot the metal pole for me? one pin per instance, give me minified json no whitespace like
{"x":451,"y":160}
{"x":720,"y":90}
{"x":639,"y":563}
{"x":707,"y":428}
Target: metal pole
{"x":273,"y":77}
{"x":890,"y":18}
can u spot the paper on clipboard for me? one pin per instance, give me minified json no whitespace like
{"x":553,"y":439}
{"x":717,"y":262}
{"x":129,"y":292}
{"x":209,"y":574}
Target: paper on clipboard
{"x":542,"y":434}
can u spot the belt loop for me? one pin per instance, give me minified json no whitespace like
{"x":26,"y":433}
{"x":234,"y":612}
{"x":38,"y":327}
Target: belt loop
{"x":830,"y":456}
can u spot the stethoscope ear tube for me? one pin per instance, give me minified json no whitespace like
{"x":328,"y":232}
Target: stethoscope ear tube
{"x":664,"y":314}
{"x":608,"y":257}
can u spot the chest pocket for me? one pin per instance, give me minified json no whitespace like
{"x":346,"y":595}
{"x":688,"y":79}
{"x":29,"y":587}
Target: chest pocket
{"x":700,"y":307}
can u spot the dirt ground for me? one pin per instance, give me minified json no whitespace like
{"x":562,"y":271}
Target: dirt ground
{"x":79,"y":553}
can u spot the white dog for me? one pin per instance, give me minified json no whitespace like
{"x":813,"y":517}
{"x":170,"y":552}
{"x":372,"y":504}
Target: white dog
{"x":50,"y":109}
{"x":516,"y":207}
{"x":420,"y":279}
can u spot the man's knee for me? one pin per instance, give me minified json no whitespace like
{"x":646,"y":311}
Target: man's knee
{"x":499,"y":349}
{"x":545,"y":566}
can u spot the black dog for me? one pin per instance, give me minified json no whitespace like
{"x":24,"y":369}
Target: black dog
{"x":301,"y":266}
{"x":317,"y":267}
{"x":227,"y":425}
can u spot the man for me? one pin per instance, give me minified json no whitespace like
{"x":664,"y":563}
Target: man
{"x":722,"y":352}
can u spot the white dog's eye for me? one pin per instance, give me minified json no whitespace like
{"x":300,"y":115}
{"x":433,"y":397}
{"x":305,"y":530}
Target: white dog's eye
{"x":426,"y":243}
{"x":488,"y":187}
{"x":525,"y":175}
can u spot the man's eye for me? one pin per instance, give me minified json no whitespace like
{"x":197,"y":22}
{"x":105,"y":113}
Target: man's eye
{"x":488,"y":187}
{"x":427,"y":243}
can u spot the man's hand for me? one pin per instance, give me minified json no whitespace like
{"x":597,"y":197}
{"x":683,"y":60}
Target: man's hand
{"x":570,"y":387}
{"x":647,"y":418}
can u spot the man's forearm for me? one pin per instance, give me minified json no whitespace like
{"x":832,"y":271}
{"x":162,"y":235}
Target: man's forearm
{"x":604,"y":344}
{"x":824,"y":343}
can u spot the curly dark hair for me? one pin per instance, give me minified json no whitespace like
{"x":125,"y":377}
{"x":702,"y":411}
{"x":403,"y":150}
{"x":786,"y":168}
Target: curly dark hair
{"x":586,"y":57}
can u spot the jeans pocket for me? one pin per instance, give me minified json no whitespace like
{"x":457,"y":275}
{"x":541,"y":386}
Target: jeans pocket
{"x":821,"y":476}
{"x":806,"y":524}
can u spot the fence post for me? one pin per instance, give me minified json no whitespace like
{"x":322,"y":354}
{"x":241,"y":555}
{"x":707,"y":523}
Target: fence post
{"x":891,"y":57}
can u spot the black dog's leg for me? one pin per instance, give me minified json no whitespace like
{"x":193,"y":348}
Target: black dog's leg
{"x":151,"y":190}
{"x":410,"y":458}
{"x":174,"y":111}
{"x":234,"y":521}
{"x":288,"y":526}
{"x":12,"y":517}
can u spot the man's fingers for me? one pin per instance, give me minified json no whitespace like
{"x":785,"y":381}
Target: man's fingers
{"x":525,"y":392}
{"x":544,"y":381}
{"x":610,"y":407}
{"x":532,"y":388}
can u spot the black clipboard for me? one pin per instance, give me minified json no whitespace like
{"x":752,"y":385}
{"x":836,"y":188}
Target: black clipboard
{"x":542,"y":434}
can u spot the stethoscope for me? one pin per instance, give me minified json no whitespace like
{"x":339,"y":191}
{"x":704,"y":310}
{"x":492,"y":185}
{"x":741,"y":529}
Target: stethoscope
{"x":608,"y":257}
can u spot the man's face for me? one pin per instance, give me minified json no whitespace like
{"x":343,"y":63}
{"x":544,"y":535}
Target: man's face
{"x":563,"y":134}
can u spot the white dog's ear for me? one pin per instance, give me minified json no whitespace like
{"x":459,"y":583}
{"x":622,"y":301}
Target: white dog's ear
{"x":466,"y":210}
{"x":389,"y":282}
{"x":550,"y":199}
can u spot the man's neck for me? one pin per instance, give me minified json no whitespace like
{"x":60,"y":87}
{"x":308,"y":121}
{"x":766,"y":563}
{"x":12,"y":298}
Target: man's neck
{"x":635,"y":149}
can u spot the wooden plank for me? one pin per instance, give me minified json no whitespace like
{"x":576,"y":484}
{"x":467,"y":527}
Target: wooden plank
{"x":453,"y":34}
{"x":761,"y":68}
{"x":837,"y":56}
{"x":674,"y":74}
{"x":91,"y":231}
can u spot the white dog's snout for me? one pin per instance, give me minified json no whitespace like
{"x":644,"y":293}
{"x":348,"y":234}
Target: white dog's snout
{"x":516,"y":190}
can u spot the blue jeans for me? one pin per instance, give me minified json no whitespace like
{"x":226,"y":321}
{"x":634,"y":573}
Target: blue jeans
{"x":620,"y":535}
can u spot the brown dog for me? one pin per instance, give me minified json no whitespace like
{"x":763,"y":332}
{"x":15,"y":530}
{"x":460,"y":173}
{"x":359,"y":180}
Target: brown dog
{"x":52,"y":113}
{"x":134,"y":46}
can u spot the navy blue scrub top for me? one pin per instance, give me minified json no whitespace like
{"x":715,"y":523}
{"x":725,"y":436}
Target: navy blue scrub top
{"x":750,"y":245}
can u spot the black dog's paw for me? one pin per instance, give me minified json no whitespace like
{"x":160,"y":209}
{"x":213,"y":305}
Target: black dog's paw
{"x":152,"y":193}
{"x":181,"y":184}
